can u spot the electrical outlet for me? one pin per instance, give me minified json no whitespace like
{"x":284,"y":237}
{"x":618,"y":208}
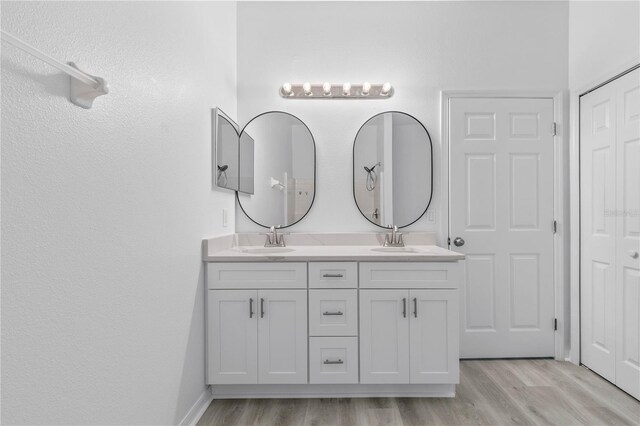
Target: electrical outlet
{"x":225,"y":218}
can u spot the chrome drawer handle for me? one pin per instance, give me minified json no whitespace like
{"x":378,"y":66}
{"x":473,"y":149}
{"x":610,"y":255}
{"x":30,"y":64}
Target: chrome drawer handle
{"x":332,"y":276}
{"x":333,"y":313}
{"x":326,"y":361}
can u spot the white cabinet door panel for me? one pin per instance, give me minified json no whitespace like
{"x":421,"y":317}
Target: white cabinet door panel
{"x":434,"y":347}
{"x":232,"y":349}
{"x":384,"y":336}
{"x":282,"y":336}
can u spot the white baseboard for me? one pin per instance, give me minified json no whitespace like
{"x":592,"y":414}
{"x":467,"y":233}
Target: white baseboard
{"x":198,"y":409}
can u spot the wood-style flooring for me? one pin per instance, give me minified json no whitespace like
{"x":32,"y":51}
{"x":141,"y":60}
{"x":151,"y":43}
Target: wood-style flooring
{"x":491,"y":392}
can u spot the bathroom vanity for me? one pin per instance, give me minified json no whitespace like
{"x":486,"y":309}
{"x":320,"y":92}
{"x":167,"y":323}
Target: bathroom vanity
{"x":331,"y":315}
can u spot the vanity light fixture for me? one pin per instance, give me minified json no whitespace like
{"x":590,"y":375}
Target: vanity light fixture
{"x":328,"y":90}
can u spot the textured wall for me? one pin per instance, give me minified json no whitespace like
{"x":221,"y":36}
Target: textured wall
{"x":420,"y":47}
{"x":103,"y":210}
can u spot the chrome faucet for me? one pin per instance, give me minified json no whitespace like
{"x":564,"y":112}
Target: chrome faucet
{"x":393,"y":239}
{"x":274,"y":239}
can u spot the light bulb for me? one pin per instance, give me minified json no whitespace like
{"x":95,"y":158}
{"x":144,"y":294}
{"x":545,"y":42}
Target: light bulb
{"x":386,"y":88}
{"x":286,"y":89}
{"x":346,"y":89}
{"x":366,"y":86}
{"x":326,"y":88}
{"x":306,"y":86}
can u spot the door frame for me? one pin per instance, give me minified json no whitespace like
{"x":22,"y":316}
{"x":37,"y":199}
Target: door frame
{"x":560,"y":204}
{"x":574,"y":192}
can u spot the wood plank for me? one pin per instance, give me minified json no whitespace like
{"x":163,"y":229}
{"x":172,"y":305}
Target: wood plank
{"x":491,"y":392}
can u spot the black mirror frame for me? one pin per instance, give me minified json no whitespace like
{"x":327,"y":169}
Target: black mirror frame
{"x":314,"y":170}
{"x":353,"y":179}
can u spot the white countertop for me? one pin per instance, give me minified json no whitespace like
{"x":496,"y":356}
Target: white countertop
{"x":420,"y":247}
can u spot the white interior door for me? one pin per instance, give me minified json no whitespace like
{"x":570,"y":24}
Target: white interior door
{"x":384,"y":336}
{"x":610,"y":231}
{"x":282,"y":336}
{"x":501,"y":207}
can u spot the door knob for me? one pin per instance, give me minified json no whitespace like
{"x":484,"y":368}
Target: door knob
{"x":633,"y":254}
{"x":458,"y":242}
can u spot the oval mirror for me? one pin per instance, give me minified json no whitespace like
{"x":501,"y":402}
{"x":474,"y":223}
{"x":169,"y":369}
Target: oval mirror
{"x":284,"y":170}
{"x":392,"y":169}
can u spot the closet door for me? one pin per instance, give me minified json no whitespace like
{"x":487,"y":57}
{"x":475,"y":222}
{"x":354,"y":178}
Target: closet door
{"x":597,"y":201}
{"x":610,"y":231}
{"x":628,"y":233}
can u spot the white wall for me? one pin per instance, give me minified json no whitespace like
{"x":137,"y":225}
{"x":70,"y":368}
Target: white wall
{"x":421,"y":48}
{"x":603,"y":37}
{"x":103,"y":210}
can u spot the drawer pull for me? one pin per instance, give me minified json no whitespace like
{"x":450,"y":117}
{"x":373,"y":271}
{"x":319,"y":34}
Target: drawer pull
{"x":332,"y":313}
{"x":326,"y":361}
{"x":332,"y":276}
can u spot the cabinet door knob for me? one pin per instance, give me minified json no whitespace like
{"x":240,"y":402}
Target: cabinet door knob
{"x":633,"y":254}
{"x":404,"y":307}
{"x":415,"y":307}
{"x":251,"y":308}
{"x":261,"y":308}
{"x":458,"y":242}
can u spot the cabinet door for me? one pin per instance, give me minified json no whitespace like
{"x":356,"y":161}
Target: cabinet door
{"x":384,"y":336}
{"x":434,"y":343}
{"x":282,"y":336}
{"x":232,"y":337}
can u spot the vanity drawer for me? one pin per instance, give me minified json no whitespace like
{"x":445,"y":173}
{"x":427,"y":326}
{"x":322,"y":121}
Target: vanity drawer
{"x":246,"y":275}
{"x":333,"y":360}
{"x":333,"y":275}
{"x":333,"y":312}
{"x":410,"y":274}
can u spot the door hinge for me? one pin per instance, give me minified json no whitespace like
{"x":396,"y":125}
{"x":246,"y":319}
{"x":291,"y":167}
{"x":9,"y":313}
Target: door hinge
{"x":449,"y":241}
{"x":555,"y":226}
{"x":555,"y":324}
{"x":554,"y":128}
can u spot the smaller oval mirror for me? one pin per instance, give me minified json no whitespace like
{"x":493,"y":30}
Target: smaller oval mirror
{"x":392,"y":169}
{"x":284,"y":171}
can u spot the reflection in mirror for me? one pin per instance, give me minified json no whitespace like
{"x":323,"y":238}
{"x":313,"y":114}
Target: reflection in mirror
{"x":284,"y":169}
{"x":392,"y":169}
{"x":226,"y":164}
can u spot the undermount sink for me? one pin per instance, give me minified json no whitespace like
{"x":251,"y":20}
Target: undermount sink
{"x":265,"y":250}
{"x":396,"y":250}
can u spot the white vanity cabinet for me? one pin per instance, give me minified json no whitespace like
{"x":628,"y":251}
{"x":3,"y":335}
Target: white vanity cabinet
{"x":409,"y":329}
{"x":328,"y":329}
{"x":256,"y":335}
